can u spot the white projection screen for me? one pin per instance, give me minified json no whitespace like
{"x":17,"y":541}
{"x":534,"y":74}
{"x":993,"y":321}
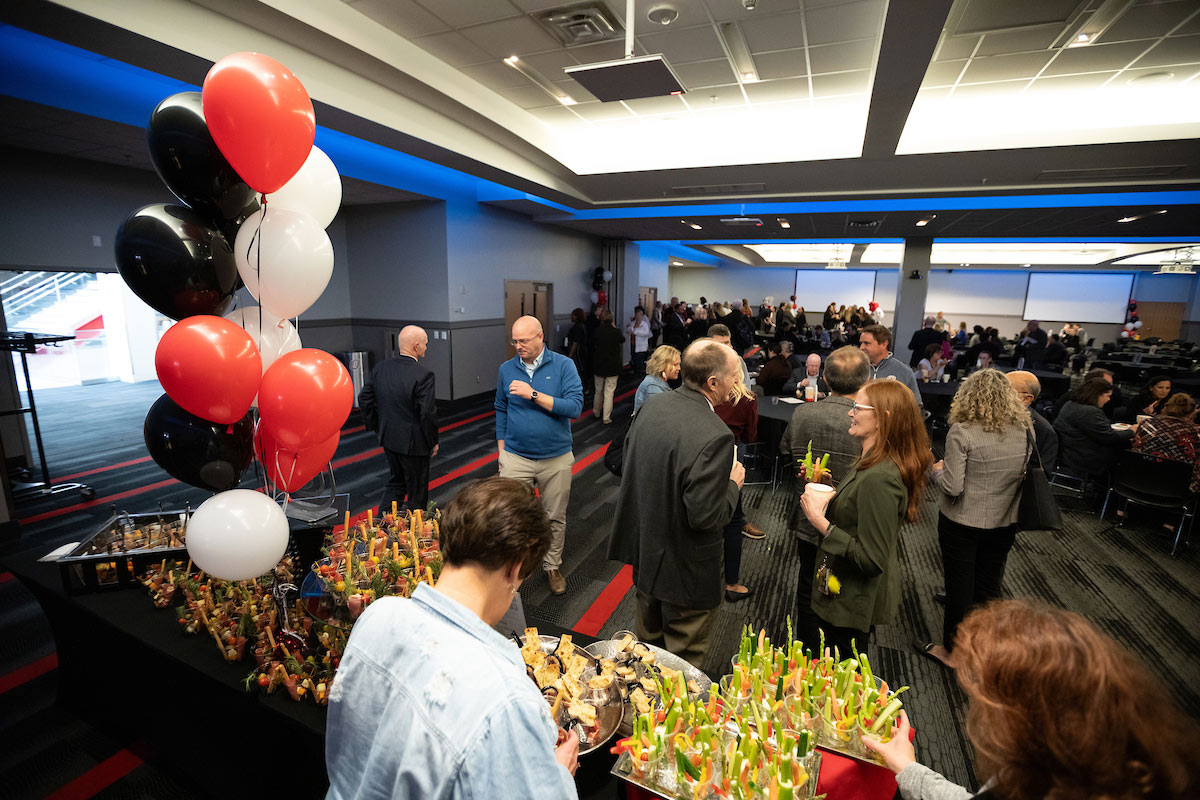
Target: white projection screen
{"x":817,"y":288}
{"x":1078,"y":296}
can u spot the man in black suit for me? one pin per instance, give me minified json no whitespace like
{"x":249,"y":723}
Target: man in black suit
{"x":399,"y":399}
{"x":922,"y":339}
{"x":675,"y":326}
{"x":678,"y":492}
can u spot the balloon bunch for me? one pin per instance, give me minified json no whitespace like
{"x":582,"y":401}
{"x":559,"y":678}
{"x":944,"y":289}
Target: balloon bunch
{"x":1132,"y":323}
{"x":600,"y":276}
{"x":240,"y":158}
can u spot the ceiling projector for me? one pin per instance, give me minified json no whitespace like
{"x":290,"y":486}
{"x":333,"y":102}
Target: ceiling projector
{"x":748,"y":222}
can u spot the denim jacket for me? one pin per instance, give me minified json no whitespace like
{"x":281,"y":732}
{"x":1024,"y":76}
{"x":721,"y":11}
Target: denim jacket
{"x":430,"y":702}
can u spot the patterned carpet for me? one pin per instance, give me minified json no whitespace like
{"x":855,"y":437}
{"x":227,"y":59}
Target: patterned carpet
{"x":1121,"y":578}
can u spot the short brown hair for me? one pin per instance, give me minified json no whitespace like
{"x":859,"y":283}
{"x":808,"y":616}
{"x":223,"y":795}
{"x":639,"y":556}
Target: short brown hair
{"x":703,"y":359}
{"x":1098,"y":372}
{"x":902,"y":438}
{"x":879,"y":334}
{"x":846,"y":370}
{"x":1179,"y":404}
{"x":720,"y":329}
{"x":1059,"y":710}
{"x":1090,"y":391}
{"x":494,"y":522}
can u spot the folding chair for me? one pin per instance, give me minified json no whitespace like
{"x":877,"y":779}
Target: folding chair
{"x":1155,"y":482}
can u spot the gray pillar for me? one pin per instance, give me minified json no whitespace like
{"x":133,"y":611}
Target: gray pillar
{"x":911,"y":290}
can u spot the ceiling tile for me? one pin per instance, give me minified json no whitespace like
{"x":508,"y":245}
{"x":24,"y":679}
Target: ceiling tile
{"x":778,"y":91}
{"x":990,"y":89}
{"x":460,"y":13}
{"x":943,"y":73}
{"x":603,"y":51}
{"x":1096,"y":58}
{"x":1175,"y":50}
{"x":715,"y":97}
{"x":495,"y":75}
{"x":857,"y":82}
{"x":535,"y":6}
{"x":774,"y":32}
{"x":555,"y":115}
{"x":654,"y":106}
{"x":574,"y":89}
{"x":519,"y":36}
{"x":998,"y":68}
{"x":842,"y":56}
{"x":717,"y":72}
{"x":1180,"y":74}
{"x":1090,"y":80}
{"x":686,"y":44}
{"x":529,"y":97}
{"x":936,"y":93}
{"x":404,"y":17}
{"x":453,"y":48}
{"x":1019,"y":41}
{"x":1147,"y":22}
{"x":599,"y":112}
{"x":981,"y":17}
{"x":956,"y":47}
{"x":1191,"y":26}
{"x":781,"y":64}
{"x":723,"y":10}
{"x":858,"y":20}
{"x":551,"y":62}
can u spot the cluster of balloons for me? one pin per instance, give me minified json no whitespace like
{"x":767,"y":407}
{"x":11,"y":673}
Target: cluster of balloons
{"x":240,"y":158}
{"x":600,"y":276}
{"x":1132,"y":323}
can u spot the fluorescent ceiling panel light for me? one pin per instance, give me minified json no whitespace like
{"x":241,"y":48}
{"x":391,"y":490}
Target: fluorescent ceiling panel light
{"x":1136,"y":217}
{"x":783,"y":223}
{"x":695,"y":227}
{"x":1091,"y":26}
{"x":739,"y":51}
{"x":921,"y":223}
{"x":539,"y":80}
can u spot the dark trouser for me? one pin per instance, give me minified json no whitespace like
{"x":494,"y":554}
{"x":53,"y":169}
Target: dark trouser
{"x":409,"y":477}
{"x":733,"y":544}
{"x":841,"y":638}
{"x":638,"y":362}
{"x":806,"y":622}
{"x":973,"y":561}
{"x":682,"y":631}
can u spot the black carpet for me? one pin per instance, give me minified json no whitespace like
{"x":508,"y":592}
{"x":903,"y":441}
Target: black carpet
{"x":1121,"y":578}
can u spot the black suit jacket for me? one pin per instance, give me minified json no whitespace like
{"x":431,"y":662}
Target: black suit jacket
{"x":675,"y":500}
{"x":920,"y":340}
{"x":675,"y":332}
{"x":400,"y":397}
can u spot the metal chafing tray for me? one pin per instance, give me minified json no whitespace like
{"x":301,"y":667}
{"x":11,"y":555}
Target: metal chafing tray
{"x":123,"y":548}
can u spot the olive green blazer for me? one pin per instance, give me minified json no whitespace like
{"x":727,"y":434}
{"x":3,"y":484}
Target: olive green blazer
{"x":866,"y":513}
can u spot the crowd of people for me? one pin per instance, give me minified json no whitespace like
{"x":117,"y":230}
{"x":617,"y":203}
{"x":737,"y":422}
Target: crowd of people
{"x":1057,"y":709}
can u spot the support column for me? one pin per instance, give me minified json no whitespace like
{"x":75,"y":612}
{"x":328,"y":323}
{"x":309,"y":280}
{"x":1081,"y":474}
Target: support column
{"x":911,"y":291}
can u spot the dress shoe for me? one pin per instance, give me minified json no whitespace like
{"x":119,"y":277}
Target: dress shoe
{"x":734,"y":597}
{"x":750,"y":531}
{"x":558,"y":584}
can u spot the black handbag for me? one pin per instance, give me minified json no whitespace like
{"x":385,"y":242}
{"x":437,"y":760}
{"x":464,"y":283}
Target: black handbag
{"x":614,"y":456}
{"x":1037,"y":510}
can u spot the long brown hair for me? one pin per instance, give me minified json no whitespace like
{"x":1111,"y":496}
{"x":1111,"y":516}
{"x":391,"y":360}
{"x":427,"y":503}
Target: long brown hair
{"x":902,"y":437}
{"x":1060,"y":711}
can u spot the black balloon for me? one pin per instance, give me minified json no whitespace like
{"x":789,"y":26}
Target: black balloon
{"x":205,"y":454}
{"x":173,"y":260}
{"x":192,"y":166}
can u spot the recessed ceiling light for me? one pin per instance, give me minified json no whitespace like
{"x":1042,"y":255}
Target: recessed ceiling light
{"x":676,"y":263}
{"x":1136,"y":217}
{"x":539,"y":80}
{"x":921,"y":223}
{"x":1083,"y":38}
{"x":1026,"y":265}
{"x":694,"y":226}
{"x":783,"y":223}
{"x":749,"y":77}
{"x":1152,"y":77}
{"x":739,"y":51}
{"x":567,"y":101}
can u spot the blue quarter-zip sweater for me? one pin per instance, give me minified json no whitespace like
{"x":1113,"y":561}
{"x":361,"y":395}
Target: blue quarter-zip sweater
{"x":527,"y":429}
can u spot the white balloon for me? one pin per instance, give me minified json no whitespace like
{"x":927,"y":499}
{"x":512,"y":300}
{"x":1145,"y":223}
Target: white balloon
{"x":607,"y":276}
{"x":237,"y":535}
{"x":291,"y":253}
{"x":275,"y":338}
{"x":315,"y":190}
{"x":1137,"y":324}
{"x":595,"y":297}
{"x":1128,"y":326}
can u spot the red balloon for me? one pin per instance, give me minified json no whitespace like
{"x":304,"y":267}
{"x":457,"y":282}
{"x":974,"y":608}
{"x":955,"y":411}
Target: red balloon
{"x":261,"y":118}
{"x":290,"y":470}
{"x":210,"y":367}
{"x":304,"y":398}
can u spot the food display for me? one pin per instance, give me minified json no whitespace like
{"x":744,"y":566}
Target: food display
{"x":122,"y":548}
{"x":582,"y":691}
{"x":641,"y":669}
{"x":757,"y":735}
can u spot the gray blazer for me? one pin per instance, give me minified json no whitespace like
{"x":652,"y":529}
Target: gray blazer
{"x":826,"y":424}
{"x":981,"y":481}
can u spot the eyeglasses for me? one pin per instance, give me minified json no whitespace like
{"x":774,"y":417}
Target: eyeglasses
{"x":859,"y":407}
{"x":521,"y":342}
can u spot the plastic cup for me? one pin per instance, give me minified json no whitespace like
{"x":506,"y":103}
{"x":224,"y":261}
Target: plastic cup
{"x":821,"y":492}
{"x":945,"y":379}
{"x":810,"y":394}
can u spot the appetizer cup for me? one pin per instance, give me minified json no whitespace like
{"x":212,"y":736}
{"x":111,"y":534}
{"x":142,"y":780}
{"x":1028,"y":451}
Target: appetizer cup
{"x":823,"y":493}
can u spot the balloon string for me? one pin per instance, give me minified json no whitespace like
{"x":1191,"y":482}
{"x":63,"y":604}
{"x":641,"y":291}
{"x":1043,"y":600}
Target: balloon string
{"x":258,"y":268}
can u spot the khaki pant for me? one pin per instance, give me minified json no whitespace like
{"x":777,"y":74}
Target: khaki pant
{"x":683,"y":631}
{"x":552,"y":477}
{"x":602,"y":401}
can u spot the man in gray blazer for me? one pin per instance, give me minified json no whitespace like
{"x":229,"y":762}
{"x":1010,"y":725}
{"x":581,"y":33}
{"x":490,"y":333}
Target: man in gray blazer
{"x":827,"y":425}
{"x":679,"y":488}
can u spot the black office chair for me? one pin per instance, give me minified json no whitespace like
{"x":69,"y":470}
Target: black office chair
{"x":1155,"y":482}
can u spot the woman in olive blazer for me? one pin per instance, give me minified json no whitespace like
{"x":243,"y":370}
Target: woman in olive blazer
{"x":856,"y":586}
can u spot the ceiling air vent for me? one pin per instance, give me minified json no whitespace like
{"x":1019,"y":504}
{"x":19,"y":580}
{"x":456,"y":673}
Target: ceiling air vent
{"x":1103,"y":173}
{"x":584,"y":23}
{"x":863,"y":223}
{"x":722,"y":188}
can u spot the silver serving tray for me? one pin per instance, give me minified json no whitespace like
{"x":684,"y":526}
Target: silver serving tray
{"x":608,"y":716}
{"x":623,"y":769}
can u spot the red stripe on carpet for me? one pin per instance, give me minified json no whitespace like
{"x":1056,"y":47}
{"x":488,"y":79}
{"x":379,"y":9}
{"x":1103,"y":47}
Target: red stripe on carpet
{"x":99,"y":777}
{"x":589,"y":459}
{"x":356,"y":429}
{"x":98,"y":501}
{"x":341,"y":462}
{"x":5,"y":577}
{"x":464,"y":470}
{"x":598,"y":613}
{"x":77,"y":475}
{"x":466,"y":421}
{"x":28,"y":672}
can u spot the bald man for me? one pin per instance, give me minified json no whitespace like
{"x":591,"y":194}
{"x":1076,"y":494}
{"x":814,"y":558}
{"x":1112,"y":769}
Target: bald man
{"x":1028,"y":388}
{"x":538,"y":393}
{"x":399,"y":398}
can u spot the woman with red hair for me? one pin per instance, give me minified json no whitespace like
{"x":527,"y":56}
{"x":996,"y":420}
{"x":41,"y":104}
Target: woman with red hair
{"x":1057,"y":710}
{"x":857,"y":584}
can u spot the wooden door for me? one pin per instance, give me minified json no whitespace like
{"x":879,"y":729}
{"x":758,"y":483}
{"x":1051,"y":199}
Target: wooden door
{"x":1160,"y":319}
{"x":647,"y":296}
{"x":526,"y":298}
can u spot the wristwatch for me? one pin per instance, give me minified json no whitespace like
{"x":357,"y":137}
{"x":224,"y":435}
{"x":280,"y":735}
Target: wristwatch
{"x":534,"y":396}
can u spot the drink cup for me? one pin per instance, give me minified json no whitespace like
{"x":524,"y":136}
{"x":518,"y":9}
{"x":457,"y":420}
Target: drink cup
{"x":945,"y":379}
{"x":810,"y":394}
{"x":822,"y":493}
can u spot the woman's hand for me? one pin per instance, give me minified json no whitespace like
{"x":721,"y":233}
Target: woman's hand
{"x":567,"y":753}
{"x":814,"y":510}
{"x":898,"y":753}
{"x":938,"y":466}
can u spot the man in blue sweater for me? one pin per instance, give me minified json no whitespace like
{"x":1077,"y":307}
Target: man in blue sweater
{"x":538,"y":393}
